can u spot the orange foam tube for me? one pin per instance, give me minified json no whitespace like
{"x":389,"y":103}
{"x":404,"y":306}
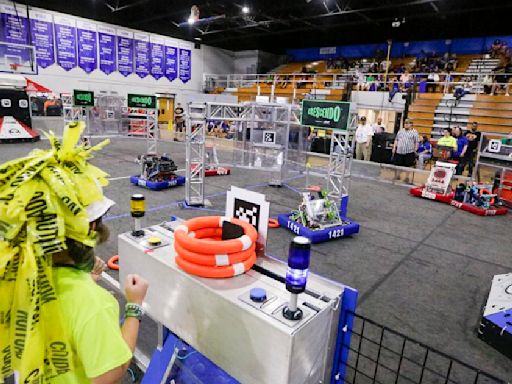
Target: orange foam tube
{"x":213,"y":272}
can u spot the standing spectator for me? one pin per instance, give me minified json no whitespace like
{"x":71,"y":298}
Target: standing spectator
{"x":179,"y":121}
{"x":460,"y":153}
{"x":424,"y":152}
{"x":379,"y":127}
{"x":364,"y":133}
{"x":473,"y":141}
{"x":406,"y":145}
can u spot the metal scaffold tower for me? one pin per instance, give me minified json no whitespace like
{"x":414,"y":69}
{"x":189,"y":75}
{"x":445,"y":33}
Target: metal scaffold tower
{"x":72,"y":113}
{"x":340,"y":163}
{"x":195,"y":153}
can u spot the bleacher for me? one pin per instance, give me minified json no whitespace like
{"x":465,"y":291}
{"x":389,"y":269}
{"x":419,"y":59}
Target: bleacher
{"x":431,"y":112}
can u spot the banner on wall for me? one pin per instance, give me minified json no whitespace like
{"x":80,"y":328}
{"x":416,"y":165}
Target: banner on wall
{"x":185,"y":64}
{"x":87,"y":46}
{"x":142,"y":55}
{"x":171,"y":60}
{"x":14,"y":29}
{"x":124,"y":52}
{"x":107,"y":49}
{"x":41,"y":27}
{"x":65,"y":41}
{"x":157,"y":57}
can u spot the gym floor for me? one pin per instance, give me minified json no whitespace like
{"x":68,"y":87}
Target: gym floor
{"x":421,"y":268}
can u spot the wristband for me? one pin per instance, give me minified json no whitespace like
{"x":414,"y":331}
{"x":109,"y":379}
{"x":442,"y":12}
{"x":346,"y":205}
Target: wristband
{"x":133,"y":310}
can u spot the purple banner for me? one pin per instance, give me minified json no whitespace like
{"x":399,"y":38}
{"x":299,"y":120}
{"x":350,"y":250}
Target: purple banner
{"x":14,"y":25}
{"x":171,"y":63}
{"x":14,"y":29}
{"x":142,"y":58}
{"x":65,"y":41}
{"x":157,"y":58}
{"x":87,"y":46}
{"x":107,"y":48}
{"x":185,"y":65}
{"x":124,"y":52}
{"x":41,"y":27}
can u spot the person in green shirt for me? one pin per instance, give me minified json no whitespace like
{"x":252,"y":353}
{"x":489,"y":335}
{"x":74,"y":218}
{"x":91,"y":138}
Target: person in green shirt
{"x":57,"y":325}
{"x":447,"y":140}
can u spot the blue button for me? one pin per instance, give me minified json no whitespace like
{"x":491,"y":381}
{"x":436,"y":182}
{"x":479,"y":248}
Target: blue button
{"x":258,"y":295}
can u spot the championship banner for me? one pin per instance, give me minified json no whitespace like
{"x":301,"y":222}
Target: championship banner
{"x":185,"y":65}
{"x":41,"y":27}
{"x":157,"y":57}
{"x":13,"y":25}
{"x":14,"y":29}
{"x":65,"y":41}
{"x":107,"y":49}
{"x":142,"y":58}
{"x":171,"y":61}
{"x":124,"y":52}
{"x":87,"y":46}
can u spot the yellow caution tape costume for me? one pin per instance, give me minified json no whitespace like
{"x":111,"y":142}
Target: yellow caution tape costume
{"x":43,"y":200}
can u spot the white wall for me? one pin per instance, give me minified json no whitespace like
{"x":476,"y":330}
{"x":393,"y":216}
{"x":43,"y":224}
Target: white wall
{"x":246,"y":61}
{"x":205,"y":60}
{"x":378,"y":100}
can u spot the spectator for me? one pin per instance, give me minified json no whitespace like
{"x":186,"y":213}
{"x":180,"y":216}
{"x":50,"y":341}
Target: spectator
{"x":364,"y":133}
{"x":432,"y":80}
{"x":473,"y":141}
{"x":379,"y":127}
{"x":406,"y":145}
{"x":447,"y":144}
{"x":495,"y":49}
{"x":179,"y":120}
{"x":424,"y":152}
{"x":460,"y":153}
{"x":405,"y":80}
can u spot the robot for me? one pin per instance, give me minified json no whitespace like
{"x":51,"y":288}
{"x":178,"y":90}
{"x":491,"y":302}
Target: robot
{"x":157,"y":172}
{"x":317,"y":213}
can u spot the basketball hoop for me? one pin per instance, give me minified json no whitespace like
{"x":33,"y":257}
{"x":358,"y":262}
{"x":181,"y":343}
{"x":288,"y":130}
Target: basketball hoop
{"x":14,"y":66}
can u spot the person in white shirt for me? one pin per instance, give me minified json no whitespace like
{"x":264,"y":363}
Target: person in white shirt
{"x":364,"y":133}
{"x":378,"y":127}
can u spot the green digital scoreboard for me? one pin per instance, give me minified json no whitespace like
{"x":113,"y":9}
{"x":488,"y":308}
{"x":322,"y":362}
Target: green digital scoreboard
{"x":141,"y":101}
{"x":83,"y":98}
{"x":325,"y":114}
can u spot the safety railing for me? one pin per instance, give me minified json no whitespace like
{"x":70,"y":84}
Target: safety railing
{"x":381,"y":355}
{"x":472,"y":82}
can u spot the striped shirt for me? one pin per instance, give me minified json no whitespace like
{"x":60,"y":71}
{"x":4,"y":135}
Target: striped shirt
{"x":406,"y":141}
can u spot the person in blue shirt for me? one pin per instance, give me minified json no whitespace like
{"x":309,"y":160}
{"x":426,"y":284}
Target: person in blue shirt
{"x":460,"y":153}
{"x":424,"y":152}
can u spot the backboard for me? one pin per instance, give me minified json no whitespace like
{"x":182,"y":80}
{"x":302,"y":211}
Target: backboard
{"x":18,"y":58}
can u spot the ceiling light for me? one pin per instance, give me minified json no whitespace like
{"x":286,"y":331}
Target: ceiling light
{"x":245,"y":9}
{"x":191,"y":20}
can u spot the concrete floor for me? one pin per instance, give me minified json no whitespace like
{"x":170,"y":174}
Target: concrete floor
{"x":421,"y":267}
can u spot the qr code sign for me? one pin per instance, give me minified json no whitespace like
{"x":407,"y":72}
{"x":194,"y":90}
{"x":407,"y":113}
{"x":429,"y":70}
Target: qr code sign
{"x":269,"y":137}
{"x":247,"y":212}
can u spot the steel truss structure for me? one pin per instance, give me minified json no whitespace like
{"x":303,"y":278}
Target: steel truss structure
{"x":340,"y":161}
{"x":196,"y":120}
{"x":272,"y":116}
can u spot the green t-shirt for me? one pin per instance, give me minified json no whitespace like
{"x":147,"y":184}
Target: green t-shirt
{"x":449,"y":141}
{"x":91,"y":316}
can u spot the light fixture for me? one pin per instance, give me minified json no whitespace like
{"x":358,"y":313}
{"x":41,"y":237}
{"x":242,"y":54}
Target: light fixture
{"x":245,"y":9}
{"x":191,"y":20}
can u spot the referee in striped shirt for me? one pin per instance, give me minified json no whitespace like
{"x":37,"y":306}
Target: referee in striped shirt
{"x":406,"y":145}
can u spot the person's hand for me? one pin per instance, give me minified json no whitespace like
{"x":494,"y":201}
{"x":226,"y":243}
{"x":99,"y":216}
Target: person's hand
{"x":97,"y":270}
{"x":135,"y":288}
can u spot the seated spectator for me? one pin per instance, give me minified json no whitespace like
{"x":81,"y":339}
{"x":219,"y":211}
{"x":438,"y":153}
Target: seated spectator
{"x":424,"y":152}
{"x":448,"y":144}
{"x":495,"y":49}
{"x":405,"y":80}
{"x":432,"y":80}
{"x":462,"y":150}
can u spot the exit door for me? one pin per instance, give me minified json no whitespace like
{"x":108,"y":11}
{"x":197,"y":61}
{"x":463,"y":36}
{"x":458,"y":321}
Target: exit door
{"x":166,"y":111}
